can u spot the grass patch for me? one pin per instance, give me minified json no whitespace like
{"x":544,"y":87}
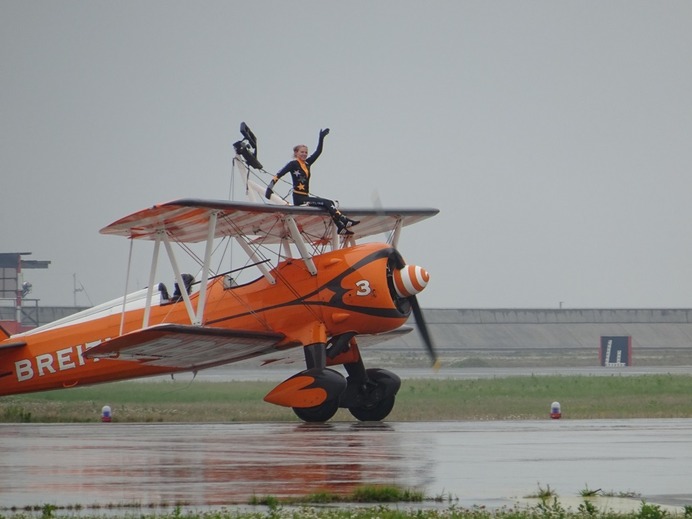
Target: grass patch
{"x":543,"y":493}
{"x":384,"y":494}
{"x":528,"y":398}
{"x":588,"y":492}
{"x":553,"y":510}
{"x":364,"y":494}
{"x":581,"y":397}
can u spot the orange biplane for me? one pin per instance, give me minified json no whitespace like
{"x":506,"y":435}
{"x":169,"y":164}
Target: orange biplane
{"x":317,"y":290}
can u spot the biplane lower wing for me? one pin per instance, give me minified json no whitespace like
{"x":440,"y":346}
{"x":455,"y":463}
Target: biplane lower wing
{"x":187,"y":347}
{"x":370,"y":339}
{"x":364,"y":340}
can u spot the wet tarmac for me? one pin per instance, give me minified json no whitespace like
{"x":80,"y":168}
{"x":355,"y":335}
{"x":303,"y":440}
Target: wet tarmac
{"x":213,"y":465}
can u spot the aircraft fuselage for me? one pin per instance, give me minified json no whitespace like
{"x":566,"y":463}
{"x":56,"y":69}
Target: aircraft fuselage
{"x":351,"y":292}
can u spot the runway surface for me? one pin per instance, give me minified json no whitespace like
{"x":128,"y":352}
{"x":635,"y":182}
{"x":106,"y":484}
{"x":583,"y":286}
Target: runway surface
{"x":478,"y":463}
{"x":252,"y":372}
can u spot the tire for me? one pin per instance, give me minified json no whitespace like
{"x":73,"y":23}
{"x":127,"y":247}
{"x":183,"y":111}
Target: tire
{"x":320,"y":413}
{"x":374,"y":413}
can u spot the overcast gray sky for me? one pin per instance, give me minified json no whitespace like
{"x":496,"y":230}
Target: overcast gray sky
{"x":554,"y":136}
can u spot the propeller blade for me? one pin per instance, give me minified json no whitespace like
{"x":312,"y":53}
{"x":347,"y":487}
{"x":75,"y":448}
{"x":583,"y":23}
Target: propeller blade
{"x":423,"y":327}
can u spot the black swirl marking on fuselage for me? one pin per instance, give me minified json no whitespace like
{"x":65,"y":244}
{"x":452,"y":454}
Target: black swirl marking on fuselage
{"x":336,"y":301}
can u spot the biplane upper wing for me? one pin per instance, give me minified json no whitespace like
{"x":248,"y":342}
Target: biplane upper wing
{"x":187,"y":220}
{"x":187,"y":347}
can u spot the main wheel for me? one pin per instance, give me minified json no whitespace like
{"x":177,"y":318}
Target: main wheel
{"x":375,"y":412}
{"x":319,"y":413}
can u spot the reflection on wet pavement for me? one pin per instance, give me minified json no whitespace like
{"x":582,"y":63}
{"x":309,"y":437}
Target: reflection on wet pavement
{"x":204,"y":464}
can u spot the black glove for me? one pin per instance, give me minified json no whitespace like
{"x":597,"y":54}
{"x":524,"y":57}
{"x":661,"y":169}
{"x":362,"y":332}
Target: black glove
{"x":270,"y":188}
{"x":324,"y":133}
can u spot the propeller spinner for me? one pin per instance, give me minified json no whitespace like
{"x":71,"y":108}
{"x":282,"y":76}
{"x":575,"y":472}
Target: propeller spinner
{"x":409,"y":280}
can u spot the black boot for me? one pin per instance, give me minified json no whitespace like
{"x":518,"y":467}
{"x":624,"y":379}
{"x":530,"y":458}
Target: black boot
{"x":341,"y":226}
{"x":347,"y":222}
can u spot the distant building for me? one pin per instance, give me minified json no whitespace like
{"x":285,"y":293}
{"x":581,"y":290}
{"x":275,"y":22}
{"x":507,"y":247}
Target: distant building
{"x":18,"y":312}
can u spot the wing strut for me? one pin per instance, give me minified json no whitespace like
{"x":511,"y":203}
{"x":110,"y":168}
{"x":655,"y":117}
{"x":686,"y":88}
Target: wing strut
{"x":298,"y":240}
{"x":181,"y":283}
{"x":127,"y":284}
{"x":195,"y":317}
{"x":152,"y":277}
{"x":253,"y":256}
{"x":397,"y":232}
{"x":286,"y":248}
{"x":161,"y":235}
{"x":202,"y":298}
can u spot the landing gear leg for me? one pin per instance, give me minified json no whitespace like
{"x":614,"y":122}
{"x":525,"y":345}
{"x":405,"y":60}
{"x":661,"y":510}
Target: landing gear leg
{"x":316,"y":355}
{"x":330,"y":381}
{"x":370,"y":393}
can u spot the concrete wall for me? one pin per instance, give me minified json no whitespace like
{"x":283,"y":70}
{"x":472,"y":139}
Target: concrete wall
{"x":509,"y":329}
{"x":478,"y":329}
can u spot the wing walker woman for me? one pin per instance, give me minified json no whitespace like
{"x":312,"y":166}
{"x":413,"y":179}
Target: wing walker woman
{"x":299,"y":168}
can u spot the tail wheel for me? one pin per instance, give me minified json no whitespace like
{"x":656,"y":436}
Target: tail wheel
{"x":375,"y":412}
{"x":320,"y":413}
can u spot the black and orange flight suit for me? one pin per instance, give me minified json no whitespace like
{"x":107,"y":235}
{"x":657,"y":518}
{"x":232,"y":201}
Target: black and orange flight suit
{"x":300,"y":174}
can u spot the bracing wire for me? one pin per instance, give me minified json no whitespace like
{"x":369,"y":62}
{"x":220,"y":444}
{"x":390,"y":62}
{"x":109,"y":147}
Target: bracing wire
{"x":186,"y":386}
{"x":231,"y":184}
